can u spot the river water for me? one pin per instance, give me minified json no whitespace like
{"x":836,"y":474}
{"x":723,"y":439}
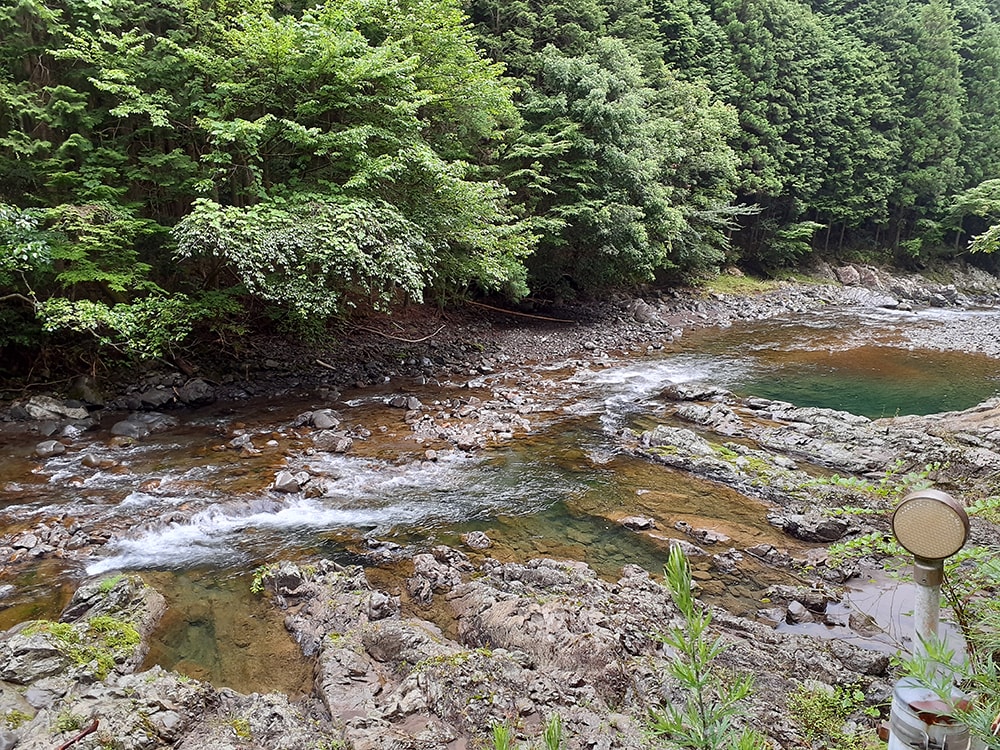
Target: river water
{"x":195,"y":518}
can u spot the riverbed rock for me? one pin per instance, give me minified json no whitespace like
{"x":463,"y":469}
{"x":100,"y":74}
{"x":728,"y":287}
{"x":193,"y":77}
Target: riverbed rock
{"x":91,"y":637}
{"x":84,"y":388}
{"x":814,"y":526}
{"x":288,"y":482}
{"x":477,"y":540}
{"x":638,"y":523}
{"x":196,"y":392}
{"x":131,"y":429}
{"x":157,"y":398}
{"x":46,"y":407}
{"x":325,"y":419}
{"x":848,"y":275}
{"x":49,"y":448}
{"x":333,"y":441}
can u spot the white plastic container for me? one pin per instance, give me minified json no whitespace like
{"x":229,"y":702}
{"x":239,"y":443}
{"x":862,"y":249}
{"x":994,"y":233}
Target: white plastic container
{"x":919,"y":720}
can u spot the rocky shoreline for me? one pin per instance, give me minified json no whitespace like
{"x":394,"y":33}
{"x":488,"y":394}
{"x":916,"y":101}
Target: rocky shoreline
{"x":479,"y":641}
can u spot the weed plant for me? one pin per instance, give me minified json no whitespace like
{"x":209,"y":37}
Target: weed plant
{"x":715,"y":699}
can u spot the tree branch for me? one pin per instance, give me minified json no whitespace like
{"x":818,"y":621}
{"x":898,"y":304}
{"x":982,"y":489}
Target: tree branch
{"x":15,"y":295}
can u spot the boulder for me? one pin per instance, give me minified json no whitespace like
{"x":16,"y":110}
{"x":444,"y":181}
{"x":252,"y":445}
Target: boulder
{"x":325,"y":419}
{"x":130,"y":429}
{"x":156,"y":398}
{"x":49,"y":448}
{"x":46,"y":407}
{"x":84,"y":388}
{"x":196,"y":392}
{"x":848,"y":275}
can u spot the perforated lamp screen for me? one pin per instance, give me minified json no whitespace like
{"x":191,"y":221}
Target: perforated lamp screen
{"x":930,"y":524}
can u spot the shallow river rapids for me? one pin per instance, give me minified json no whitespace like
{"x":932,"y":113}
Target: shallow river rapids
{"x":197,"y":517}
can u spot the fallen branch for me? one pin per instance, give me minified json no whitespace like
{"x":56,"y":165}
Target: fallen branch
{"x":321,"y":363}
{"x":520,"y":314}
{"x":399,"y":338}
{"x":89,"y":730}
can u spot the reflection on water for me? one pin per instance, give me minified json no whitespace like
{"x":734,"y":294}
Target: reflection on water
{"x":830,"y":362}
{"x":195,"y":517}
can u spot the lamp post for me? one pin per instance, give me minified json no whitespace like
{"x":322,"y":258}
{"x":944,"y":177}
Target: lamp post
{"x":932,"y":526}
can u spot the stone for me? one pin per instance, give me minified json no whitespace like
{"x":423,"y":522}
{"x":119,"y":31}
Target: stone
{"x":46,"y":407}
{"x":155,"y":398}
{"x":325,"y":419}
{"x":798,"y":613}
{"x":84,"y":388}
{"x":155,"y":421}
{"x":477,"y":540}
{"x":643,"y":312}
{"x":49,"y":448}
{"x":129,"y":429}
{"x":26,"y":540}
{"x":848,"y":275}
{"x":196,"y":392}
{"x":285,"y":481}
{"x":638,"y":523}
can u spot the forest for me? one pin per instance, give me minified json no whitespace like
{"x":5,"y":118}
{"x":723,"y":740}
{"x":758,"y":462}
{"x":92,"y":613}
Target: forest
{"x":172,"y":169}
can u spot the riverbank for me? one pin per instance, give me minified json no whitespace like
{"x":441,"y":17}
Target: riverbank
{"x":470,"y":640}
{"x":426,"y":342}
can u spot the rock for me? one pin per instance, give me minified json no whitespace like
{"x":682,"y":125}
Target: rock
{"x":242,"y":442}
{"x":325,"y":419}
{"x":638,"y":523}
{"x":84,"y":388}
{"x":49,"y":448}
{"x":26,"y":540}
{"x":128,"y":428}
{"x":155,"y":398}
{"x":27,"y":656}
{"x":333,"y":442}
{"x":46,"y":407}
{"x":155,"y":421}
{"x":693,"y":392}
{"x":848,"y":275}
{"x":196,"y":392}
{"x":685,"y":441}
{"x":798,"y":613}
{"x":285,"y":481}
{"x":643,"y":312}
{"x":860,"y":660}
{"x":477,"y":540}
{"x":812,"y":526}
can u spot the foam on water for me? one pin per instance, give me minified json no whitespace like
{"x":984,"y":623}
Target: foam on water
{"x":358,"y":494}
{"x":621,"y":392}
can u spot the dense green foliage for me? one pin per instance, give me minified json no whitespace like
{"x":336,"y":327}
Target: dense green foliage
{"x":168,"y":165}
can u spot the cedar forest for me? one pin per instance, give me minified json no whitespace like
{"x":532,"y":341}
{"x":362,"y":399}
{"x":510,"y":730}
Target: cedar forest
{"x":180,"y":169}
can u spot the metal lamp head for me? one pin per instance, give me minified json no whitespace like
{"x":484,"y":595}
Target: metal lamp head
{"x":930,"y":524}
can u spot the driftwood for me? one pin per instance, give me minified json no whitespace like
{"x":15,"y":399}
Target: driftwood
{"x":400,"y":338}
{"x":520,"y":314}
{"x":89,"y":730}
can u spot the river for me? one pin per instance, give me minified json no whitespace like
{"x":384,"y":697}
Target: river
{"x":197,"y":517}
